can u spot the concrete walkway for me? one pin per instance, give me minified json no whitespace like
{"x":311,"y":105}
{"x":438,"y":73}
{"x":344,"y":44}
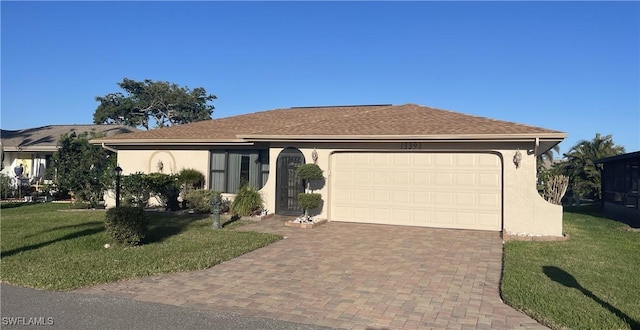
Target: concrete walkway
{"x":347,"y":275}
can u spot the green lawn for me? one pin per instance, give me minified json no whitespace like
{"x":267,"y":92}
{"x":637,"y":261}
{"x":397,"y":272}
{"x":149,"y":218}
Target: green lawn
{"x":589,"y":282}
{"x":47,"y":246}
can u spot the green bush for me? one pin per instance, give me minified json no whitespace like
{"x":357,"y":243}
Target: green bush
{"x":163,"y":186}
{"x":6,"y":190}
{"x":126,"y":225}
{"x":248,"y":201}
{"x":309,"y":201}
{"x":308,"y":173}
{"x":191,"y":179}
{"x":138,"y":188}
{"x":200,"y":200}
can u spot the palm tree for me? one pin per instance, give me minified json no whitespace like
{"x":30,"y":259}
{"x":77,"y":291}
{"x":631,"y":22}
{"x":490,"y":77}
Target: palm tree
{"x":544,"y":163}
{"x":545,"y":160}
{"x":581,"y":169}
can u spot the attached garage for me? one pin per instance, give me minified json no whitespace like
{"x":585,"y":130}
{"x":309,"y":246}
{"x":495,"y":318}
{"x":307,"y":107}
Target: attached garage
{"x":444,"y":190}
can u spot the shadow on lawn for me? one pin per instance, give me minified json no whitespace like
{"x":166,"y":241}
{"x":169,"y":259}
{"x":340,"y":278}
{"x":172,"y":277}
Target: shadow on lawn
{"x":596,"y":211}
{"x":162,"y":227}
{"x":558,"y":275}
{"x":229,"y":222}
{"x":81,"y":233}
{"x":11,"y":205}
{"x":85,"y":224}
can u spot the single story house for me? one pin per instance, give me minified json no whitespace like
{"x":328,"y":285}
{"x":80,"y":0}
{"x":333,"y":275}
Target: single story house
{"x":620,"y":187}
{"x":387,"y":164}
{"x":32,"y":148}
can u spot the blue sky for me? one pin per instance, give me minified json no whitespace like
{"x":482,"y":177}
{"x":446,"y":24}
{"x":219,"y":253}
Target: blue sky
{"x":570,"y":66}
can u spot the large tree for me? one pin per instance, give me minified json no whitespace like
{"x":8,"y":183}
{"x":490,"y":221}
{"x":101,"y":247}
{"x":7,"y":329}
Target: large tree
{"x":584,"y":174}
{"x":147,"y":103}
{"x":82,"y":168}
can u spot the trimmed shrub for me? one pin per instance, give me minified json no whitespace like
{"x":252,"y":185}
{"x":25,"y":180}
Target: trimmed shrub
{"x":200,"y":200}
{"x":308,"y":173}
{"x":248,"y":201}
{"x":309,"y":201}
{"x":126,"y":225}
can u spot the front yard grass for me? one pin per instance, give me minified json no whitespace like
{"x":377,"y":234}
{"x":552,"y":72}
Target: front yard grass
{"x":588,"y":282}
{"x":47,"y":246}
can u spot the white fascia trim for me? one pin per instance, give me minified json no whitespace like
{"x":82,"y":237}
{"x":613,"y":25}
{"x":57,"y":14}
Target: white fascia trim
{"x":398,"y":138}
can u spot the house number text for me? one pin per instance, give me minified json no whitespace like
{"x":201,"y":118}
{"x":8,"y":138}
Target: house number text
{"x":410,"y":145}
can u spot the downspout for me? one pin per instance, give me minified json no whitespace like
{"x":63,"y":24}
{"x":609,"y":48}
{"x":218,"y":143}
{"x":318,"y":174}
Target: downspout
{"x":109,"y":148}
{"x":535,"y":148}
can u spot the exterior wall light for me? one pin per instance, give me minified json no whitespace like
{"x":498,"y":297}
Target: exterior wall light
{"x":118,"y":172}
{"x":517,"y":158}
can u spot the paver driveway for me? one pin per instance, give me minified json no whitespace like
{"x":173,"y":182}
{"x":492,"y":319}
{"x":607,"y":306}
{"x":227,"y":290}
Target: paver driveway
{"x":348,"y":275}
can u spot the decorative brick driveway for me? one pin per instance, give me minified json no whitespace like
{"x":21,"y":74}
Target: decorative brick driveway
{"x":348,"y":275}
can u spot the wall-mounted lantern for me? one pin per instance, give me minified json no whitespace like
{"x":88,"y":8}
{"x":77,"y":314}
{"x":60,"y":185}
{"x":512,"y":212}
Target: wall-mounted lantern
{"x":118,"y":172}
{"x":517,"y":158}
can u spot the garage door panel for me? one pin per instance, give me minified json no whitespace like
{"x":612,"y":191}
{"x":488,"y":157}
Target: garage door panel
{"x":417,"y":189}
{"x":489,"y":162}
{"x":421,"y":197}
{"x":443,"y":160}
{"x":380,"y":196}
{"x":361,"y":196}
{"x":445,"y":179}
{"x":381,"y":160}
{"x":465,"y":160}
{"x":466,"y":179}
{"x":489,"y":200}
{"x":466,"y":218}
{"x":401,"y":178}
{"x":488,"y":219}
{"x":381,"y":178}
{"x":443,"y":217}
{"x":421,"y":178}
{"x":489,"y":180}
{"x":443,"y":199}
{"x":361,"y":178}
{"x":465,"y":199}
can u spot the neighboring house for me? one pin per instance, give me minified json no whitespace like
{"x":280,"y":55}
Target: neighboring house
{"x":620,"y":186}
{"x":33,"y":147}
{"x":402,"y":165}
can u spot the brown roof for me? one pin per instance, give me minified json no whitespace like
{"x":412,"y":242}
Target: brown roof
{"x":46,"y":138}
{"x":338,"y":122}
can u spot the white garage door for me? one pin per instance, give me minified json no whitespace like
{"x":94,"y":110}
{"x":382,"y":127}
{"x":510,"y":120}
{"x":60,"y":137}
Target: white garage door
{"x":444,"y":190}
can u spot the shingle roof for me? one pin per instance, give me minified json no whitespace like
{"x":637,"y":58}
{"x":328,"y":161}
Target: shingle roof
{"x":46,"y":138}
{"x":408,"y":120}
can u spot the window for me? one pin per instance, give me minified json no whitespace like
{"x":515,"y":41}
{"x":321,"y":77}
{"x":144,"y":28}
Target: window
{"x":620,"y":183}
{"x":232,"y":168}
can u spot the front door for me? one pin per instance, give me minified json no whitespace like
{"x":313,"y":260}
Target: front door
{"x":288,"y":186}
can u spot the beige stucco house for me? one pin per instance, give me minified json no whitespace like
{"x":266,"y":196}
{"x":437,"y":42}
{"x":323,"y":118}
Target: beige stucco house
{"x":387,"y":164}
